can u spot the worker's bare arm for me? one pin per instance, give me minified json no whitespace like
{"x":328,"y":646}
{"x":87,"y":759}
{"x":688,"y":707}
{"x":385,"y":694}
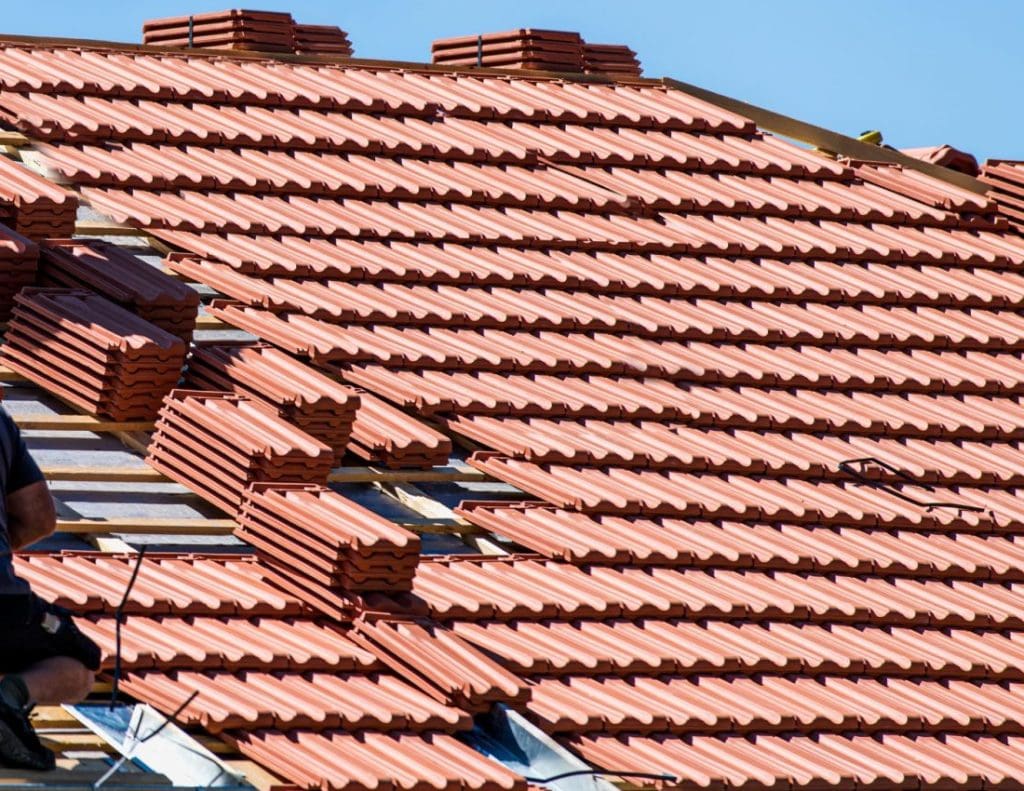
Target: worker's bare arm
{"x":31,"y":515}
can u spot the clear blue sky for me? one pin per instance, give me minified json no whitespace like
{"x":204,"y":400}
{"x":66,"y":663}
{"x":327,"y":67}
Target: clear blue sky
{"x":925,"y":72}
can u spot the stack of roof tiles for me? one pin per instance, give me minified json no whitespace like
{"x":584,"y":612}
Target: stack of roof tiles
{"x":265,"y":31}
{"x":218,"y":443}
{"x":1005,"y":179}
{"x":380,"y":433}
{"x":321,"y":40}
{"x":19,"y":258}
{"x":613,"y":59}
{"x":290,"y":690}
{"x":322,"y":541}
{"x":716,"y":356}
{"x":545,"y":50}
{"x":301,"y":395}
{"x":92,"y":353}
{"x":38,"y":208}
{"x":122,"y":278}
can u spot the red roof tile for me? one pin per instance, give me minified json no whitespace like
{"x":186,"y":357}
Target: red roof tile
{"x":122,"y":278}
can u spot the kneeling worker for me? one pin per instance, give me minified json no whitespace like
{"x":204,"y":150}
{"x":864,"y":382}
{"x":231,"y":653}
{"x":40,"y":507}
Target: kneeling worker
{"x":44,"y":658}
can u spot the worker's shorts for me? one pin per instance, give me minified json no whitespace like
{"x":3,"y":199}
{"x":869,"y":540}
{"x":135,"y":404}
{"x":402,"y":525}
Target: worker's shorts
{"x":32,"y":629}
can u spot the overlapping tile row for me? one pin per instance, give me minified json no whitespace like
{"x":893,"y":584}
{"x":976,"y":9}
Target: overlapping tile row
{"x":676,"y":446}
{"x":41,"y":208}
{"x":543,"y":50}
{"x":583,"y":538}
{"x":19,"y":259}
{"x":341,"y":302}
{"x":345,"y":761}
{"x":323,"y":408}
{"x":92,"y":353}
{"x":846,"y":760}
{"x":124,"y":279}
{"x":218,"y":443}
{"x":708,"y":277}
{"x":266,"y":672}
{"x":167,"y":584}
{"x":256,"y":699}
{"x":323,"y":538}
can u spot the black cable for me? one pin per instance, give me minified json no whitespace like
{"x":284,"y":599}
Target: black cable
{"x":580,"y":772}
{"x":118,"y":620}
{"x":847,"y":466}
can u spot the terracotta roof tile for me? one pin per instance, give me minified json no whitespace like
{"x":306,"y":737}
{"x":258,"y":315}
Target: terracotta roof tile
{"x":364,"y":761}
{"x":91,"y":352}
{"x":256,"y":699}
{"x":122,"y":278}
{"x":166,"y":584}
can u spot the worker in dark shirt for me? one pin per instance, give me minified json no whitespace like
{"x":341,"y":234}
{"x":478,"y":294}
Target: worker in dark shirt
{"x":45,"y":659}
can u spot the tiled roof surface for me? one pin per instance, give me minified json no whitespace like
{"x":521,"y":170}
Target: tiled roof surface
{"x":771,"y":402}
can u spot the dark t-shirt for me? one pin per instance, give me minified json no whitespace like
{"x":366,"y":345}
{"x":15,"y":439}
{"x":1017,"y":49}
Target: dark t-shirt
{"x":17,"y":470}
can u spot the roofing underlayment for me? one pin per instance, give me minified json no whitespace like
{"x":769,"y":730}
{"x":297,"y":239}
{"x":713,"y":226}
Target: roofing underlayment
{"x":757,"y":410}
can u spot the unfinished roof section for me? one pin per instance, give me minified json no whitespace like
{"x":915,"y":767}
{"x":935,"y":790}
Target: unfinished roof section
{"x":773,"y":398}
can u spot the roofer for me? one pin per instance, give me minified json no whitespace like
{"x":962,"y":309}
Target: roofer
{"x":45,"y":659}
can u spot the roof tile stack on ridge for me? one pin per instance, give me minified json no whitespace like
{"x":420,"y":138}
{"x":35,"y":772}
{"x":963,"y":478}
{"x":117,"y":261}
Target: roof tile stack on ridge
{"x":612,"y":59}
{"x":325,"y":541}
{"x":272,"y":678}
{"x":218,"y":443}
{"x":316,"y":404}
{"x":124,"y":279}
{"x":19,"y":258}
{"x":1005,"y":177}
{"x":321,"y":40}
{"x":620,"y":251}
{"x":265,"y":31}
{"x":42,"y":209}
{"x":92,"y":353}
{"x":545,"y":50}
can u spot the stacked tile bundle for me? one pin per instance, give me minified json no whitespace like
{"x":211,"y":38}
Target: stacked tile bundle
{"x":18,"y":261}
{"x":38,"y":208}
{"x":216,"y":444}
{"x":317,"y":539}
{"x":614,"y":59}
{"x":263,"y":31}
{"x":92,"y":353}
{"x":546,"y":50}
{"x":321,"y":40}
{"x":123,"y":279}
{"x":299,"y":394}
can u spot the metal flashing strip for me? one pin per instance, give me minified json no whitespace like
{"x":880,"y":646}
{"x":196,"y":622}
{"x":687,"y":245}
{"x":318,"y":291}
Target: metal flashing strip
{"x":144,"y":736}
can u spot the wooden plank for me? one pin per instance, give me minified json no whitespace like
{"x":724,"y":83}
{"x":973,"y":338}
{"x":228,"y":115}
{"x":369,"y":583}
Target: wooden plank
{"x":79,"y":423}
{"x":826,"y":139}
{"x":254,"y":774}
{"x":6,"y":374}
{"x":107,"y":228}
{"x":183,"y":527}
{"x":207,"y":322}
{"x":14,"y":139}
{"x":104,"y":474}
{"x":377,"y":475}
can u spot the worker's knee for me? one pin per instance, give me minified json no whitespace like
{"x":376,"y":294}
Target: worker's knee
{"x":80,"y":683}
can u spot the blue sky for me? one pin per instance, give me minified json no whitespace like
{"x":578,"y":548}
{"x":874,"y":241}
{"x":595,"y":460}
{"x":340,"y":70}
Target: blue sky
{"x":924,"y":72}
